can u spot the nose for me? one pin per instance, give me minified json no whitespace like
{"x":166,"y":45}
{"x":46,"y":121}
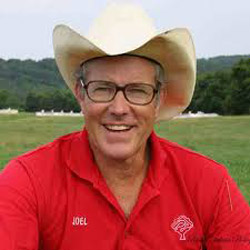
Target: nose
{"x":119,"y":105}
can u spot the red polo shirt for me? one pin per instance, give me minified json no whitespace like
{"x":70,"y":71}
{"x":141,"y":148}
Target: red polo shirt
{"x":54,"y":198}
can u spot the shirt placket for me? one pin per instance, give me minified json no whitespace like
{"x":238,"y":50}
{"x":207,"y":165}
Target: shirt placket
{"x":129,"y":239}
{"x":147,"y":194}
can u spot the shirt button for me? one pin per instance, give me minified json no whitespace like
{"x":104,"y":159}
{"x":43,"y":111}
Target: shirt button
{"x":127,"y":233}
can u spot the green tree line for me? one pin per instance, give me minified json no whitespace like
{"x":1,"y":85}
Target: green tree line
{"x":56,"y":100}
{"x":226,"y":92}
{"x":223,"y":86}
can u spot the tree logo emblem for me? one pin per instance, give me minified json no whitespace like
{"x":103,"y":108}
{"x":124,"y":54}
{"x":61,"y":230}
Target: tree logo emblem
{"x":182,"y":225}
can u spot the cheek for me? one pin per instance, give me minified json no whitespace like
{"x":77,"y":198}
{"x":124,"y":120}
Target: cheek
{"x":148,"y":116}
{"x":86,"y":105}
{"x":93,"y":112}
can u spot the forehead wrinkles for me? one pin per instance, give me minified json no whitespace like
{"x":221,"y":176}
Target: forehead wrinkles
{"x":139,"y":69}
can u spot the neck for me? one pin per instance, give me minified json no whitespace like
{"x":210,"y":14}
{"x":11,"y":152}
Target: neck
{"x":122,"y":171}
{"x":124,"y":177}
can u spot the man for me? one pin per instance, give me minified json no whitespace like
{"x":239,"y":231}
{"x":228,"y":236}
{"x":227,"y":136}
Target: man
{"x":116,"y":185}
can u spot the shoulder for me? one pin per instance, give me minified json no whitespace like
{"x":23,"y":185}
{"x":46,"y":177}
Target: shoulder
{"x":54,"y":150}
{"x":190,"y":162}
{"x":47,"y":161}
{"x":199,"y":180}
{"x":200,"y":176}
{"x":43,"y":169}
{"x":206,"y":187}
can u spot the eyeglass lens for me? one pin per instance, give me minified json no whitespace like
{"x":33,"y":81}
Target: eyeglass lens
{"x":137,"y":93}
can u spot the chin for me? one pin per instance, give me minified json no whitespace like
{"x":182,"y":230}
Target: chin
{"x":118,"y":152}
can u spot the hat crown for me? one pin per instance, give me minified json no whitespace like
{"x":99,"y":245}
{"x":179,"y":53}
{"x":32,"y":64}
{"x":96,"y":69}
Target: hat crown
{"x":121,"y":28}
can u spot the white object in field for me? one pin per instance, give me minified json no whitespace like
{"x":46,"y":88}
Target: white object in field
{"x":62,"y":113}
{"x":8,"y":111}
{"x":199,"y":114}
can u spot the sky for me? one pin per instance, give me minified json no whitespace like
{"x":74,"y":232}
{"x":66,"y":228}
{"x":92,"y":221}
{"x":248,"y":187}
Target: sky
{"x":218,"y":27}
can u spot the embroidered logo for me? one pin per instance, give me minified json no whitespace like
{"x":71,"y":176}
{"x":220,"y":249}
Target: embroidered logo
{"x":182,"y":225}
{"x":79,"y":221}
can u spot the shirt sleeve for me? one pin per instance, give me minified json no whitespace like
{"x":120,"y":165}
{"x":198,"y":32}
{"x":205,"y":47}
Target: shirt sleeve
{"x":230,"y":228}
{"x":18,"y":209}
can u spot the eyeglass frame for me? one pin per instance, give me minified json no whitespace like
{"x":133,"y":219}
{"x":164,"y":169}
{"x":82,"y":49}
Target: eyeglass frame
{"x":156,"y":90}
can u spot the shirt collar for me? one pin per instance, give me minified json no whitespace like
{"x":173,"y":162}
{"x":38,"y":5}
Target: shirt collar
{"x":158,"y":169}
{"x":80,"y":158}
{"x":81,"y":161}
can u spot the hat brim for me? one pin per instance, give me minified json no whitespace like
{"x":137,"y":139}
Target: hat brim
{"x":173,"y":49}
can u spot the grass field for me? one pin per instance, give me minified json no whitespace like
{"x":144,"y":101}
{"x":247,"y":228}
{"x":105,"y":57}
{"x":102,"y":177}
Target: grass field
{"x":225,"y":139}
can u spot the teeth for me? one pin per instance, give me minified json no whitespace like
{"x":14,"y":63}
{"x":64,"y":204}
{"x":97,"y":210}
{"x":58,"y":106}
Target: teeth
{"x":118,"y":127}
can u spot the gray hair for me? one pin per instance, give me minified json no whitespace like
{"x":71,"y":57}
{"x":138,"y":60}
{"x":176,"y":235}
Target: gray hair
{"x":159,"y":72}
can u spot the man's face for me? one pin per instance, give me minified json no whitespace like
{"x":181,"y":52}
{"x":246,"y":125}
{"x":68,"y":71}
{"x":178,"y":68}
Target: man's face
{"x":119,"y":129}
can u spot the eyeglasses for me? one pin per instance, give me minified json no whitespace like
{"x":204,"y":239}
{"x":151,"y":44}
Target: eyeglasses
{"x":105,"y":91}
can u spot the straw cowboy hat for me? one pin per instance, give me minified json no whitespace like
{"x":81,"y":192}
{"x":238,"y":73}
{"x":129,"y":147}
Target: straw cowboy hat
{"x":126,"y":29}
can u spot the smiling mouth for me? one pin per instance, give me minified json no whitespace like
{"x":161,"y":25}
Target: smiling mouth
{"x":118,"y":128}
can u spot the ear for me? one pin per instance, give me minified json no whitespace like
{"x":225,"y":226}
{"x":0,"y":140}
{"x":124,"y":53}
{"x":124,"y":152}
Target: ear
{"x":79,"y":95}
{"x":77,"y":92}
{"x":159,"y":101}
